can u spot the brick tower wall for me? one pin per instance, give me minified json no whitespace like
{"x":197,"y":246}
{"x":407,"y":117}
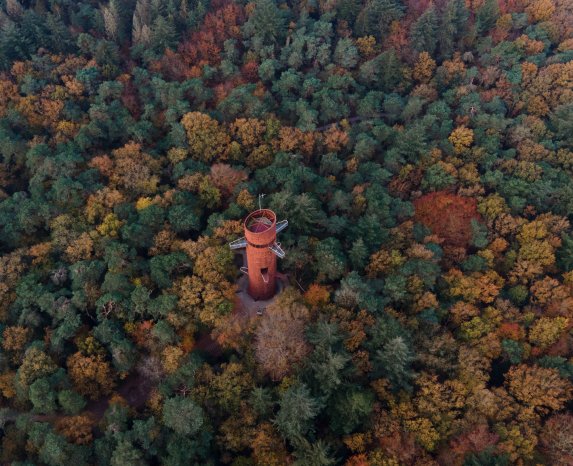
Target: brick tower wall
{"x":260,"y":257}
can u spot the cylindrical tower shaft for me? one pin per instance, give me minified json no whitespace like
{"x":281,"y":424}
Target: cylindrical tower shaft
{"x":260,"y":233}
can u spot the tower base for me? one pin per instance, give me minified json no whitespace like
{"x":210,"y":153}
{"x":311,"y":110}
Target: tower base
{"x":247,"y":305}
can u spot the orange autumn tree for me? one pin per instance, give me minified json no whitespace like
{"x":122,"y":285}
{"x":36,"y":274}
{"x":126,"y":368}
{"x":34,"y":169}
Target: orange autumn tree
{"x":92,"y":376}
{"x":249,"y":132}
{"x":76,"y":429}
{"x":134,"y":171}
{"x":448,"y":216}
{"x":540,"y":388}
{"x":204,"y":46}
{"x":424,"y":68}
{"x":15,"y":338}
{"x":316,"y":295}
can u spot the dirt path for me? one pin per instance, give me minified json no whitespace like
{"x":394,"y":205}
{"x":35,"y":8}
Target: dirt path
{"x":208,"y":345}
{"x":135,"y":390}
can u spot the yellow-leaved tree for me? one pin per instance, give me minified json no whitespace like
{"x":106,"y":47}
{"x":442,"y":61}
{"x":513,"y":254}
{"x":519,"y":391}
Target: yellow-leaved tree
{"x":207,"y":139}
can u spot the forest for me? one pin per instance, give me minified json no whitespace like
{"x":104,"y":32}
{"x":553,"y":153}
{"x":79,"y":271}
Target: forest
{"x":422,"y":152}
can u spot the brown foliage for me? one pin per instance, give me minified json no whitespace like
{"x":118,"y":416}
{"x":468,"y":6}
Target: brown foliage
{"x":236,"y":433}
{"x":540,"y":388}
{"x":141,"y":333}
{"x":246,"y":200}
{"x":462,"y":311}
{"x":476,"y":440}
{"x":448,"y":216}
{"x":226,"y":178}
{"x":280,"y":341}
{"x":406,"y":181}
{"x":8,"y":92}
{"x":163,"y":242}
{"x":294,"y":140}
{"x":228,"y":230}
{"x":562,"y":19}
{"x":424,"y":68}
{"x":557,"y":439}
{"x":356,"y":328}
{"x":268,"y":448}
{"x":510,"y":330}
{"x":250,"y":71}
{"x":40,"y":111}
{"x":134,"y":170}
{"x":102,"y":202}
{"x":15,"y":338}
{"x":357,"y":460}
{"x":92,"y":376}
{"x":80,"y":248}
{"x":36,"y":364}
{"x":400,"y":445}
{"x":11,"y":268}
{"x":130,"y":96}
{"x":77,"y":429}
{"x":316,"y":295}
{"x":335,"y":139}
{"x":398,"y":37}
{"x":249,"y":132}
{"x":207,"y":139}
{"x":7,"y":388}
{"x":208,"y":294}
{"x":289,"y":138}
{"x":205,"y":45}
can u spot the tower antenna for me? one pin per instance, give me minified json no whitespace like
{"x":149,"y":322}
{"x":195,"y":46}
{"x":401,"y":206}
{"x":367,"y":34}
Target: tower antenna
{"x":260,"y":199}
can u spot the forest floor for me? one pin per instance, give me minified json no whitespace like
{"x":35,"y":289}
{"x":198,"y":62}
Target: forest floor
{"x":135,"y":390}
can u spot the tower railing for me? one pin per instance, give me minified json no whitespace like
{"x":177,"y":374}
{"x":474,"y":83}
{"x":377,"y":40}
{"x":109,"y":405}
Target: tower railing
{"x":261,"y":228}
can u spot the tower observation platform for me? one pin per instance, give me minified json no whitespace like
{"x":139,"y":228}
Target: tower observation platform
{"x":262,"y":249}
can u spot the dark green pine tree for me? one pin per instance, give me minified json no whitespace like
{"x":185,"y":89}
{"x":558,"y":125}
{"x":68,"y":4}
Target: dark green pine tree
{"x":452,"y":24}
{"x":183,"y":415}
{"x":266,"y":22}
{"x":377,"y":16}
{"x":126,"y":454}
{"x":163,"y":34}
{"x":297,"y":411}
{"x":358,"y":254}
{"x":383,"y":72}
{"x":424,"y":32}
{"x":487,"y":15}
{"x":565,"y":253}
{"x":13,"y":46}
{"x":348,"y":10}
{"x":60,"y":39}
{"x":313,"y":454}
{"x":393,"y":362}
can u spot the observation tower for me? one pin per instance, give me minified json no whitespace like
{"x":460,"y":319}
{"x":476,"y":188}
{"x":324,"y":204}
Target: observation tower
{"x":262,"y":250}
